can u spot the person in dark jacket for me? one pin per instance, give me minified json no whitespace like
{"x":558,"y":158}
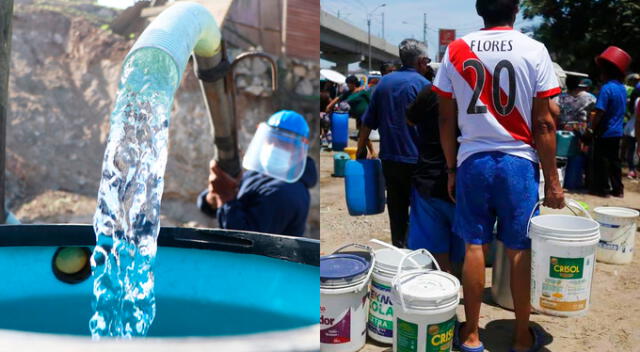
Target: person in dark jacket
{"x":273,"y":195}
{"x":432,"y":211}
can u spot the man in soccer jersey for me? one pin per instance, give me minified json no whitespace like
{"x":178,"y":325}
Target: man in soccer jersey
{"x":501,"y":81}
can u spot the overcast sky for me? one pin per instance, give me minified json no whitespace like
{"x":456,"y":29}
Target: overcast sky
{"x":404,"y":18}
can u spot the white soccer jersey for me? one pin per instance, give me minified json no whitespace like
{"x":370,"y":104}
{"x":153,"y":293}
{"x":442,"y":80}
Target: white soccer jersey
{"x":494,"y":75}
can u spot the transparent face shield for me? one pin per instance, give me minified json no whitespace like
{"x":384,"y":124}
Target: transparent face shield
{"x":277,"y":153}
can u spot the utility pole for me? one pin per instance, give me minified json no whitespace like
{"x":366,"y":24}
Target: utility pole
{"x":369,"y":14}
{"x":383,"y":25}
{"x":6,"y":14}
{"x":369,"y":39}
{"x":424,"y":30}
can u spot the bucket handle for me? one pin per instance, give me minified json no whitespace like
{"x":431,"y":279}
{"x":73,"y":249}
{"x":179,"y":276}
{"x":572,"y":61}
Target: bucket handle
{"x":398,"y":276}
{"x":390,"y":246}
{"x":366,"y":248}
{"x":568,"y":204}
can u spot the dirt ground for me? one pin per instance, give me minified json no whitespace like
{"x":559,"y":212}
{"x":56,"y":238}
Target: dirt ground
{"x":613,"y":320}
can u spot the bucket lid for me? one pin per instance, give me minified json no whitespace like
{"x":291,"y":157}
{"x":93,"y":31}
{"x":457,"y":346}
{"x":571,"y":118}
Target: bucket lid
{"x":430,"y":289}
{"x":617,"y":211}
{"x":388,"y":259}
{"x":342,"y":269}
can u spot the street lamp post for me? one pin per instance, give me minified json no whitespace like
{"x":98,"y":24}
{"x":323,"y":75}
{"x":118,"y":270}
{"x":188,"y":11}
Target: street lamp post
{"x":369,"y":30}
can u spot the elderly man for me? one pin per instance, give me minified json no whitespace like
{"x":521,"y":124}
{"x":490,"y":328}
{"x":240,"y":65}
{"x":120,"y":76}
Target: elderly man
{"x":501,"y":81}
{"x":398,"y":150}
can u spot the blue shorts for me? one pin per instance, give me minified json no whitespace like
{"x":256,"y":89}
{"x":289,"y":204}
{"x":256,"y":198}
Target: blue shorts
{"x":430,"y":223}
{"x":494,"y":185}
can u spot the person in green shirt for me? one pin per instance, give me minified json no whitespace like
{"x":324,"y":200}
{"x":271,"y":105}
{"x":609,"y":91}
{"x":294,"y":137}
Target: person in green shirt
{"x":359,"y":102}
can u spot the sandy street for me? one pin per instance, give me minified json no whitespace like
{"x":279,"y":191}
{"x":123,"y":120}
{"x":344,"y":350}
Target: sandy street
{"x":610,"y":325}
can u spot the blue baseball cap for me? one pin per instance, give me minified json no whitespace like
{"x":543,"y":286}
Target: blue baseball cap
{"x":290,"y":121}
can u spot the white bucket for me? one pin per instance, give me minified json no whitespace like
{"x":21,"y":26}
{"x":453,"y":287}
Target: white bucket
{"x":617,"y":230}
{"x":380,"y":322}
{"x":343,"y":309}
{"x":425,"y":308}
{"x":562,"y":262}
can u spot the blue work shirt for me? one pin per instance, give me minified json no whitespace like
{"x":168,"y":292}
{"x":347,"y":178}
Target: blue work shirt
{"x":264,"y":204}
{"x":613,"y":101}
{"x":386,"y":112}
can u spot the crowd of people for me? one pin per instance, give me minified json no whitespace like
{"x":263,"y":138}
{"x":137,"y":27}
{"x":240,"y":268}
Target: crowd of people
{"x":462,"y":151}
{"x":604,"y":125}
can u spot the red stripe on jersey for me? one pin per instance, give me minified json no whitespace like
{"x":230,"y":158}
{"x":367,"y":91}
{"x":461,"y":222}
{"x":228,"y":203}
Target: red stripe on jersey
{"x":549,"y":93}
{"x":498,"y":28}
{"x":514,"y":122}
{"x":442,"y":92}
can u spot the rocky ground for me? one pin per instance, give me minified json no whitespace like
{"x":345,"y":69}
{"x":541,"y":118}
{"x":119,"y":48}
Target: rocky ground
{"x":64,"y":74}
{"x":610,"y":325}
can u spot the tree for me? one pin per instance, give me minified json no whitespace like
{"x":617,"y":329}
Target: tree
{"x":576,"y":31}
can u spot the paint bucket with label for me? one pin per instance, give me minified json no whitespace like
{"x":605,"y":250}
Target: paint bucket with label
{"x":344,"y":279}
{"x":562,"y":261}
{"x":425,"y":304}
{"x":380,"y":321}
{"x":618,"y":232}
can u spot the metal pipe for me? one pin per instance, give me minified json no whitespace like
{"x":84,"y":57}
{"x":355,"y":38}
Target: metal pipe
{"x":219,"y":91}
{"x":232,"y":81}
{"x":250,"y":54}
{"x":6,"y":13}
{"x":215,"y":91}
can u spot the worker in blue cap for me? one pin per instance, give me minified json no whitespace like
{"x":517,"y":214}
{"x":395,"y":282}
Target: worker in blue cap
{"x":272,"y":196}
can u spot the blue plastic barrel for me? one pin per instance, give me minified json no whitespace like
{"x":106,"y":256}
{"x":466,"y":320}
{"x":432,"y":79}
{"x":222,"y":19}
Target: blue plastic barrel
{"x":364,"y":187}
{"x":339,"y":131}
{"x":339,"y":161}
{"x":574,"y":174}
{"x":566,"y":144}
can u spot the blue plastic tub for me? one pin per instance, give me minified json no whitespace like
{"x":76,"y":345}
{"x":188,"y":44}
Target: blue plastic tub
{"x":339,"y":131}
{"x":364,"y":187}
{"x":208,"y":283}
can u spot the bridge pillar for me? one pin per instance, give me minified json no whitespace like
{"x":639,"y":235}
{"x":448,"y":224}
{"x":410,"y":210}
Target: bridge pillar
{"x":342,"y":61}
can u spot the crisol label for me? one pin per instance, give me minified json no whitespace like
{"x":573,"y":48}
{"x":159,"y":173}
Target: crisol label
{"x":566,"y":268}
{"x":440,"y":336}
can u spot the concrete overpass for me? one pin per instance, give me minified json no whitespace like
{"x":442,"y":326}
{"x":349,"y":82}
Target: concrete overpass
{"x":344,"y":43}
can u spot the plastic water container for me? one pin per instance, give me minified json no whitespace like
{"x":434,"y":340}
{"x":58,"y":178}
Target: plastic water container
{"x":344,"y":279}
{"x":425,"y":304}
{"x":364,"y":187}
{"x":500,"y":278}
{"x":339,"y":161}
{"x":339,"y":130}
{"x":380,"y":322}
{"x":618,"y":231}
{"x":566,"y":144}
{"x":563,"y":256}
{"x":573,"y":178}
{"x":351,"y":151}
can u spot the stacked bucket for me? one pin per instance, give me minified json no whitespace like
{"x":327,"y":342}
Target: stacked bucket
{"x":409,"y":304}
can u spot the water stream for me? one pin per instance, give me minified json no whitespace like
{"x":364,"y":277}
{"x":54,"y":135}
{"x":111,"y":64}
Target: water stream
{"x":127,"y":218}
